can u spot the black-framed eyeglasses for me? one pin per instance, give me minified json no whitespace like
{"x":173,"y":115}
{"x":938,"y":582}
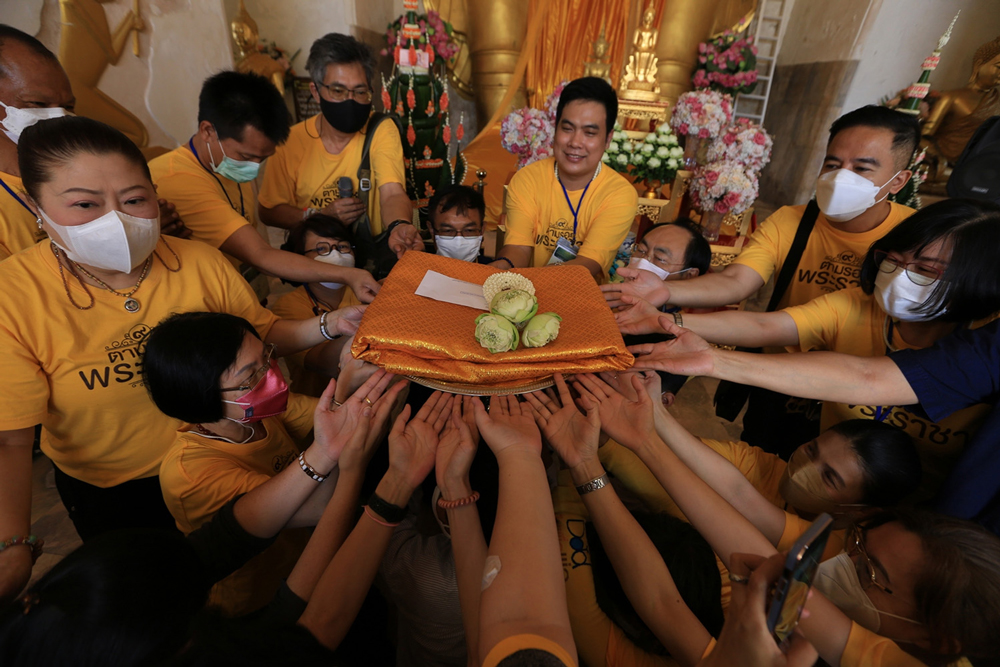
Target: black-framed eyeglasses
{"x":919,"y":274}
{"x":639,"y":252}
{"x":854,"y":541}
{"x":258,"y":374}
{"x":465,"y":233}
{"x":325,"y":249}
{"x":339,"y":93}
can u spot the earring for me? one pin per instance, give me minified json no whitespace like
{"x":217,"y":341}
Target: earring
{"x":38,"y":221}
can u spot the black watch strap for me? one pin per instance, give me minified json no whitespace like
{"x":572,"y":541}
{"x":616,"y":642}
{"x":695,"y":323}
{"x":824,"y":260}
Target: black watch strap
{"x":386,"y":510}
{"x":396,"y":223}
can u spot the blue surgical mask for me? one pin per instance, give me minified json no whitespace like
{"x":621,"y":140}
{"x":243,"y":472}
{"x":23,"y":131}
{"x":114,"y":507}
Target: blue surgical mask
{"x":240,"y":171}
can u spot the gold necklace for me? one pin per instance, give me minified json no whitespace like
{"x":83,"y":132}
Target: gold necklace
{"x":131,"y":304}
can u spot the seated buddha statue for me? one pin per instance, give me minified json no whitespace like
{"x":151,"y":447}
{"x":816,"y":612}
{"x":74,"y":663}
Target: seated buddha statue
{"x":639,"y":78}
{"x":249,"y":59}
{"x":598,"y":66}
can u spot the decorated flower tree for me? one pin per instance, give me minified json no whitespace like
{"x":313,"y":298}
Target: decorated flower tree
{"x":527,"y":132}
{"x":727,"y":64}
{"x":417,"y":93}
{"x":700,"y":115}
{"x":656,"y":159}
{"x":743,"y":142}
{"x":718,"y":188}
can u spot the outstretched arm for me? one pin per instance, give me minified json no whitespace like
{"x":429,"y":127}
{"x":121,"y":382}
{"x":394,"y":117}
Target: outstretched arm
{"x":735,"y":283}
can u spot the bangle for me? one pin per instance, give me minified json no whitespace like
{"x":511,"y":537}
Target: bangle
{"x":374,"y":517}
{"x":504,"y":259}
{"x":306,"y":212}
{"x":35,"y":543}
{"x":461,"y":502}
{"x":386,"y":510}
{"x":324,"y":330}
{"x":593,"y":485}
{"x":678,"y":318}
{"x":309,"y":470}
{"x":396,"y":223}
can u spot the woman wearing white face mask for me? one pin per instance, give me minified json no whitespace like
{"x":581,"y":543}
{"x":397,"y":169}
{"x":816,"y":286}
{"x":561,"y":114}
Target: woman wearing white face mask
{"x":932,"y":274}
{"x":325,"y":239}
{"x":72,"y":329}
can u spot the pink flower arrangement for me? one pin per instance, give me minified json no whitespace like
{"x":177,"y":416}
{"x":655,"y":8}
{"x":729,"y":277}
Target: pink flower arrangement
{"x":743,"y":142}
{"x":433,"y":30}
{"x":723,"y":186}
{"x":727,"y":64}
{"x":703,"y":113}
{"x":527,"y":132}
{"x":552,"y":101}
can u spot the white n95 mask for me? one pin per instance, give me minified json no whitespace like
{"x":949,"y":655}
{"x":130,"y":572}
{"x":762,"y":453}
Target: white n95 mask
{"x":900,"y":297}
{"x":18,"y":120}
{"x":837,"y":579}
{"x":458,"y":247}
{"x":336,"y":258}
{"x":115,"y":241}
{"x":843,"y":194}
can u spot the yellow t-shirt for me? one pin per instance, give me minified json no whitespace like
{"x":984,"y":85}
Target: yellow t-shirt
{"x":864,"y":648}
{"x":77,"y":372}
{"x":538,"y":214}
{"x":211,"y":206}
{"x":303,"y":174}
{"x":18,"y":229}
{"x":852,"y":322}
{"x":831,"y":260}
{"x":299,"y":305}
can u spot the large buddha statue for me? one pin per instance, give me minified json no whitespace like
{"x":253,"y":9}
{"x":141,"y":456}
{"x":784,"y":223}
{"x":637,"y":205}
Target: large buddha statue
{"x":249,"y":59}
{"x":599,"y":66}
{"x":955,"y":116}
{"x":639,"y":78}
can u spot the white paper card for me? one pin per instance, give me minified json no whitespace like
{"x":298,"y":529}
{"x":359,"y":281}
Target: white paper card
{"x":440,"y":287}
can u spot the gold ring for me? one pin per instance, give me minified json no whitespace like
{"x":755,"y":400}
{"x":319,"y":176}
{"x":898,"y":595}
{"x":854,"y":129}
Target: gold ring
{"x":738,"y":579}
{"x":337,"y":403}
{"x":368,"y":400}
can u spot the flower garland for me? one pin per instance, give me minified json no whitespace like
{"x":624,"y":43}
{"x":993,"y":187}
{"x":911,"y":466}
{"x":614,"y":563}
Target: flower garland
{"x":727,"y":64}
{"x":723,"y":187}
{"x":703,"y":113}
{"x":743,"y":142}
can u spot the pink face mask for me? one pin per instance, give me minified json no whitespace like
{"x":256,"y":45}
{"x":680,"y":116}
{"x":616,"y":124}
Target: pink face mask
{"x":268,"y":399}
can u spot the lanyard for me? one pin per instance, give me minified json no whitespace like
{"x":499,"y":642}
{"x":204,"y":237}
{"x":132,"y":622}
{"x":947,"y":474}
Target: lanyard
{"x":882,"y":412}
{"x":19,"y":200}
{"x":317,"y":305}
{"x":579,"y":205}
{"x":239,"y":186}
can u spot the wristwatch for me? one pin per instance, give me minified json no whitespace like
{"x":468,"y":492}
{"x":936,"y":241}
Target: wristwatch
{"x":396,"y":223}
{"x":593,"y":485}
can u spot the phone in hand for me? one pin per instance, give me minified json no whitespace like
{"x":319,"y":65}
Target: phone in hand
{"x":789,"y":594}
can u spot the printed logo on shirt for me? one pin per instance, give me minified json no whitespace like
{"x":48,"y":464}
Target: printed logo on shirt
{"x":281,"y":461}
{"x":579,"y":556}
{"x":836,"y":272}
{"x":124,"y":361}
{"x":325,"y":196}
{"x":921,"y":429}
{"x":561,"y":228}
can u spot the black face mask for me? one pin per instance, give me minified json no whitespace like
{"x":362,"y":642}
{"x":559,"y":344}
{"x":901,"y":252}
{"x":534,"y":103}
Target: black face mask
{"x":347,"y":116}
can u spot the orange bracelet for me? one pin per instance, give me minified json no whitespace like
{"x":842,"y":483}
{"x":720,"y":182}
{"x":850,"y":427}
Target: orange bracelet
{"x":461,"y":502}
{"x":377,"y":519}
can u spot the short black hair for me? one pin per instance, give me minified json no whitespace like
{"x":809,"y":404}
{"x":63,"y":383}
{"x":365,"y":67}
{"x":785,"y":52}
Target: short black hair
{"x":698,"y":254}
{"x":51,"y":143}
{"x":888,"y":458}
{"x":904,"y":127}
{"x":11,"y":33}
{"x":337,"y":49}
{"x":970,"y":286}
{"x":231,"y":101}
{"x":319,"y":224}
{"x":463,"y":198}
{"x":590,"y":89}
{"x":531,"y":657}
{"x":185,"y":356}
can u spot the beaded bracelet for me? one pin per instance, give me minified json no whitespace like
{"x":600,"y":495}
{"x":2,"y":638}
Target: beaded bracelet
{"x":35,"y":543}
{"x":461,"y":502}
{"x":322,"y":326}
{"x":375,"y":517}
{"x":309,"y":470}
{"x":504,"y":259}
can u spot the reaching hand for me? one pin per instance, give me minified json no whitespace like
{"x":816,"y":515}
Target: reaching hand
{"x":638,"y":284}
{"x":573,"y":434}
{"x":629,"y":422}
{"x":356,"y":455}
{"x":687,"y":354}
{"x":507,"y":425}
{"x":363,"y":284}
{"x":456,"y":450}
{"x":638,"y":316}
{"x":346,"y":320}
{"x":413,"y":442}
{"x":403,"y":238}
{"x":345,"y":209}
{"x":339,"y":428}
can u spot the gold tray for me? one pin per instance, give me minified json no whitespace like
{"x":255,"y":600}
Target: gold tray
{"x":483,"y":390}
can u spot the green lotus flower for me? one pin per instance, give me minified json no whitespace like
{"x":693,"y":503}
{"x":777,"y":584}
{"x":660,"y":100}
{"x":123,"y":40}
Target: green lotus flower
{"x":516,"y":305}
{"x":496,"y":333}
{"x":541,"y":330}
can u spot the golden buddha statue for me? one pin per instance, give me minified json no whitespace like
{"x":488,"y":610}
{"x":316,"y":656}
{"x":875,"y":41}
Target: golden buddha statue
{"x":598,"y":67}
{"x":639,"y":78}
{"x":958,"y":113}
{"x":249,"y":59}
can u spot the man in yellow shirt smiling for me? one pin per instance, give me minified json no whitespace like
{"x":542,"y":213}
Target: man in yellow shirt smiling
{"x":304,"y":176}
{"x":567,"y":208}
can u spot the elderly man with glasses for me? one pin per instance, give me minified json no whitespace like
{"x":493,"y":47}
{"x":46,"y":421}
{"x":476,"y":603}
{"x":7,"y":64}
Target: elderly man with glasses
{"x":317,"y":169}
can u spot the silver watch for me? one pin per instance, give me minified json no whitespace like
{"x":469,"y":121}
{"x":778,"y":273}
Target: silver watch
{"x":593,"y":485}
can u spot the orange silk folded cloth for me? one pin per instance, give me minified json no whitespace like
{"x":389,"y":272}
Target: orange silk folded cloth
{"x":415,"y":335}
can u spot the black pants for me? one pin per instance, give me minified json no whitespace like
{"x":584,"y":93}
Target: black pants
{"x":93,"y":510}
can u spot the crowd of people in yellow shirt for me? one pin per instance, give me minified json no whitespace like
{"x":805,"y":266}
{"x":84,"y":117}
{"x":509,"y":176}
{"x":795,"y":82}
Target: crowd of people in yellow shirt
{"x":229,"y":516}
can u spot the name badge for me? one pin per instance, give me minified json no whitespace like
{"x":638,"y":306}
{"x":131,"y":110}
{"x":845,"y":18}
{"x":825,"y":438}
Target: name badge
{"x":564,"y":252}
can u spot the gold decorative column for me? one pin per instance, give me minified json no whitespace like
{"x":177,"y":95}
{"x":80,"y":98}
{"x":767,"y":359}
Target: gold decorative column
{"x":496,"y":34}
{"x":685,"y":23}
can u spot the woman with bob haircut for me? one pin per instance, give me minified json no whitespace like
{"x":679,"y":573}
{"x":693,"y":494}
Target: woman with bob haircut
{"x":932,"y":274}
{"x":73,"y":326}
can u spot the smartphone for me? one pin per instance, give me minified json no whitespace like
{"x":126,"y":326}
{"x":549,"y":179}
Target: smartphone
{"x":789,"y":594}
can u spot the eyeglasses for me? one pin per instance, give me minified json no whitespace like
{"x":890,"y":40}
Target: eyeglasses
{"x":465,"y":233}
{"x":854,"y":541}
{"x":637,"y":251}
{"x":326,"y":248}
{"x":339,"y":93}
{"x":259,"y":374}
{"x":919,"y":274}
